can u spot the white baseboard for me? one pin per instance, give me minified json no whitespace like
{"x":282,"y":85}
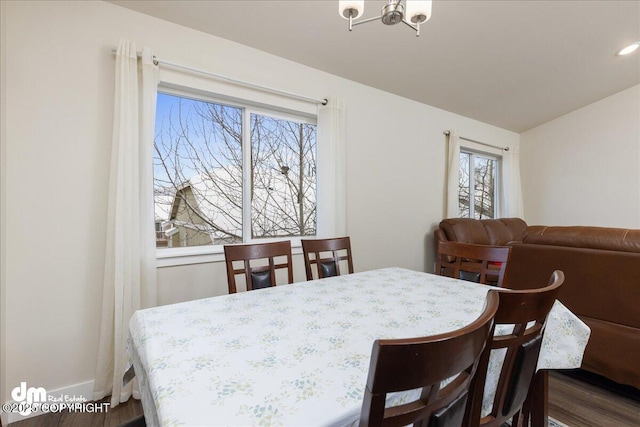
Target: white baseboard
{"x":81,"y":391}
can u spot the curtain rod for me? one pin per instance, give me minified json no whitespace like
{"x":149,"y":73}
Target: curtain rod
{"x":446,"y":132}
{"x":157,"y":61}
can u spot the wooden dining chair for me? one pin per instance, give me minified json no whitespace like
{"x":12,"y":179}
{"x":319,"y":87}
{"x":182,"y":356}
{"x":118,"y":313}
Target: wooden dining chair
{"x":423,"y":363}
{"x":476,"y":263}
{"x":527,"y":311}
{"x":325,"y":256}
{"x":254,"y":257}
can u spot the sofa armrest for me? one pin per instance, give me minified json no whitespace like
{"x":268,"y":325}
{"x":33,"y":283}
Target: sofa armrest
{"x":439,"y":236}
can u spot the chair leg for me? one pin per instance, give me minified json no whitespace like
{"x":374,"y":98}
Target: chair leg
{"x":518,"y":421}
{"x":538,"y":405}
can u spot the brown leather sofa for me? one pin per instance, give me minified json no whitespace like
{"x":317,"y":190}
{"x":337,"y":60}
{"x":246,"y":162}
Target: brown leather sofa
{"x":602,"y":280}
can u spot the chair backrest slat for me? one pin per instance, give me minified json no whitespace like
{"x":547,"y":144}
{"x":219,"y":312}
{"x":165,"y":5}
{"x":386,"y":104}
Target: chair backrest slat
{"x":325,"y":256}
{"x":254,"y":274}
{"x":478,"y":263}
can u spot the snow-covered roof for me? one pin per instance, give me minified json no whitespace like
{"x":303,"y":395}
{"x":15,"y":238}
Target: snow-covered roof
{"x":216,"y":198}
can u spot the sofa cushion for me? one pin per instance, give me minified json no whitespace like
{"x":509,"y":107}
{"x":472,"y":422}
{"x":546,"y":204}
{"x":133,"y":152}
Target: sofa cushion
{"x":465,"y":230}
{"x":496,"y":232}
{"x":611,"y":239}
{"x":504,"y":230}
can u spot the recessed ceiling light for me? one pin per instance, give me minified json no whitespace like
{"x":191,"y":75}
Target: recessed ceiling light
{"x":629,"y":49}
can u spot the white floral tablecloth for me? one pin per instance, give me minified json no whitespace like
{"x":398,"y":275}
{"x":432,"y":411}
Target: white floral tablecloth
{"x":298,"y":355}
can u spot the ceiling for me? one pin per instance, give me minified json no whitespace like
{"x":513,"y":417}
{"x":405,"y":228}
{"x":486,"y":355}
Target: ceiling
{"x":514,"y":64}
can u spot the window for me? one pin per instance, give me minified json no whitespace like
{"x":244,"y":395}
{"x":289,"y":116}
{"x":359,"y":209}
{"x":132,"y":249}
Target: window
{"x":477,"y":187}
{"x":231,"y":173}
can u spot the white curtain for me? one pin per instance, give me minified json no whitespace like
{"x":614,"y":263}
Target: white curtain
{"x":453,"y":174}
{"x":130,"y":272}
{"x":511,"y":205}
{"x":331,"y":192}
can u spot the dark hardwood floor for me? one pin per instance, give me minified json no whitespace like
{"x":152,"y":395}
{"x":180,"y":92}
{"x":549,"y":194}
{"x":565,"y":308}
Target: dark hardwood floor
{"x":581,"y":399}
{"x":577,"y":400}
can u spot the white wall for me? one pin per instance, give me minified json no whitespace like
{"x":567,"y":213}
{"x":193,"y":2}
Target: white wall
{"x":59,"y":102}
{"x":584,"y":168}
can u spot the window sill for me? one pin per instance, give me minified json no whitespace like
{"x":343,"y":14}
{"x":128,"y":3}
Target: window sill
{"x":171,"y":257}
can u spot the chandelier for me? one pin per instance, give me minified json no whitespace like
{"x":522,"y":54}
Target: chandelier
{"x":410,"y":13}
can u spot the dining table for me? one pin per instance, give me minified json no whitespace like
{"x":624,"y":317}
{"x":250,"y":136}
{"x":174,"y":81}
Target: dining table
{"x":299,"y":354}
